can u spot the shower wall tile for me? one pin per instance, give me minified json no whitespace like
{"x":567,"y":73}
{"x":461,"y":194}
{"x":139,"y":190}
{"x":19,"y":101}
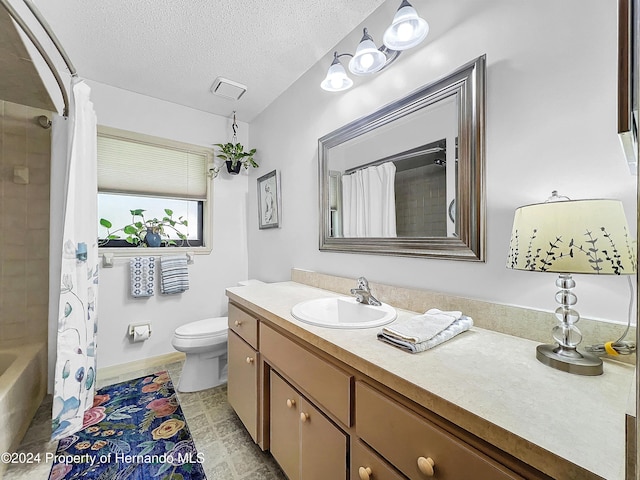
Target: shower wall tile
{"x":24,"y":222}
{"x":421,"y":202}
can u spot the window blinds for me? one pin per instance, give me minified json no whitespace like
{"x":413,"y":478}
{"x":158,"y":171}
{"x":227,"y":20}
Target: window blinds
{"x":133,"y":167}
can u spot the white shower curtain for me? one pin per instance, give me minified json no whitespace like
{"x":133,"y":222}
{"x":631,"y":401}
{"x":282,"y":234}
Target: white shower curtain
{"x":75,"y":138}
{"x":369,"y":202}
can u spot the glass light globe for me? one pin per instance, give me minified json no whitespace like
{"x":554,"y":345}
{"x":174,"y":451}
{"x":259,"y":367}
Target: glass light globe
{"x":407,"y":29}
{"x":336,"y":79}
{"x":367,"y":59}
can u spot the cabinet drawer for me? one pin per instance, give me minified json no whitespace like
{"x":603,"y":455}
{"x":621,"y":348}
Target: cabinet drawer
{"x":326,"y":384}
{"x":374,"y":467}
{"x":402,"y":437}
{"x":244,"y":325}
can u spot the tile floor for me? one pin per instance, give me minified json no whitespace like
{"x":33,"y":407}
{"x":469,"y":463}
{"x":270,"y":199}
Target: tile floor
{"x":228,"y":450}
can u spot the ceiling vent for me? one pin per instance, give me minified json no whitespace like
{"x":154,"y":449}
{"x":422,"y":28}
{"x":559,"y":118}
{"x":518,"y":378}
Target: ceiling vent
{"x":228,"y":88}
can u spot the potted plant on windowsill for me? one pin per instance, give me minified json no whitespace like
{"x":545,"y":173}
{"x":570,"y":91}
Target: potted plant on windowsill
{"x":235,"y":156}
{"x":144,"y":232}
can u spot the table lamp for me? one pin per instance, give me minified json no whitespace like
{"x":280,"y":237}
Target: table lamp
{"x":565,"y":237}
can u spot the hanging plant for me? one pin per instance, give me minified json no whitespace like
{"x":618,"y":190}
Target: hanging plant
{"x":236,"y":157}
{"x":233,"y":154}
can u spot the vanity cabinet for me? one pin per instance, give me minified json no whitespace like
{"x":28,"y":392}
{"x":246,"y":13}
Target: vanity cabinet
{"x":243,"y":369}
{"x":305,"y":443}
{"x":324,"y":419}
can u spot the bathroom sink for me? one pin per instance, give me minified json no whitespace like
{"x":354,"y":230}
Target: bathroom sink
{"x":343,"y":312}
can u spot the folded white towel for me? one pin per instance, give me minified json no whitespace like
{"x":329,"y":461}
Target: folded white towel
{"x":463,"y":324}
{"x":143,"y":271}
{"x":421,"y":328}
{"x":174,"y":274}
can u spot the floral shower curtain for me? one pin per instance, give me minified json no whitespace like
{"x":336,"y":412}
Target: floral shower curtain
{"x":75,"y":371}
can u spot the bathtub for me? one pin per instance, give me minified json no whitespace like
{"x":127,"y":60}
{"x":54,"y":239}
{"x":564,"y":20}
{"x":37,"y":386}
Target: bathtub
{"x":23,"y":385}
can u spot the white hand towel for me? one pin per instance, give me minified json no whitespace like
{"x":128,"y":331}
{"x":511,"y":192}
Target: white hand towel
{"x":421,"y":328}
{"x":463,"y":324}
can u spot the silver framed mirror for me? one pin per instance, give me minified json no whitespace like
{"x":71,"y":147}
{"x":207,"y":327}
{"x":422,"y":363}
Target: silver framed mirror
{"x":408,"y":179}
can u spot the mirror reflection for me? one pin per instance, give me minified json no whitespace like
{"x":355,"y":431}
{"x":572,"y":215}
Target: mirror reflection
{"x":407,"y":179}
{"x":375,"y":191}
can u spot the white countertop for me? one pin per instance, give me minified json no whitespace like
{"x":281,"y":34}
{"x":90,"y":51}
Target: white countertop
{"x":486,"y":382}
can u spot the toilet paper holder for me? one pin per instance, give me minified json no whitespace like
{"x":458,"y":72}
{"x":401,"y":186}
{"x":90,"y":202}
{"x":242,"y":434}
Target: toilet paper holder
{"x":132,"y":328}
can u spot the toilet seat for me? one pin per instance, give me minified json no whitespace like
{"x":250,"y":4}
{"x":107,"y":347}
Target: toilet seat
{"x":209,"y":328}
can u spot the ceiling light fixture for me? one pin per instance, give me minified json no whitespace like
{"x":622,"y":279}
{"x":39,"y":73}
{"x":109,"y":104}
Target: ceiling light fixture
{"x":336,"y":79}
{"x":406,"y":31}
{"x":368,"y":59}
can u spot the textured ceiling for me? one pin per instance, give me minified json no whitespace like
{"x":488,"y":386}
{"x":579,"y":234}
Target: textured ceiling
{"x":174,"y":49}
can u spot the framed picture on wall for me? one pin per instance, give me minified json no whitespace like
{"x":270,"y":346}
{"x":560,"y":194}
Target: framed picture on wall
{"x":269,"y":200}
{"x":628,"y":84}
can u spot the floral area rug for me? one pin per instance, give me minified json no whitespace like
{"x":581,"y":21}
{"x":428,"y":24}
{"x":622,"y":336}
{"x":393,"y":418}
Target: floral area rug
{"x":135,"y":431}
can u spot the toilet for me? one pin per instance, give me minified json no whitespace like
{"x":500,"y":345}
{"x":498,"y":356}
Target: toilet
{"x":205,"y":344}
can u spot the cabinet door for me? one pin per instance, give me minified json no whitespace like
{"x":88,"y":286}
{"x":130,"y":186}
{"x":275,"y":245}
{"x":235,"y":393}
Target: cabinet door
{"x":323,"y":451}
{"x":242,"y":383}
{"x":285,"y":426}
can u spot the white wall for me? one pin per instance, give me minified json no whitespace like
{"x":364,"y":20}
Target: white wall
{"x":210,"y":274}
{"x":550,"y":124}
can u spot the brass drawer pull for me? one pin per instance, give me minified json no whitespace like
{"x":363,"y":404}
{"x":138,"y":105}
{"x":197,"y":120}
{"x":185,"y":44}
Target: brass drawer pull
{"x":291,"y":403}
{"x":304,"y":417}
{"x":237,"y":323}
{"x":364,"y":473}
{"x":249,"y":360}
{"x":425,"y":465}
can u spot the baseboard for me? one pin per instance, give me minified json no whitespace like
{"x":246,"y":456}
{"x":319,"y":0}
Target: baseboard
{"x":124,"y":368}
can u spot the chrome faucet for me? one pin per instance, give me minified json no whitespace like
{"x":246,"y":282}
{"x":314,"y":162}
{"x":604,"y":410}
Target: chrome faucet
{"x":363,"y":293}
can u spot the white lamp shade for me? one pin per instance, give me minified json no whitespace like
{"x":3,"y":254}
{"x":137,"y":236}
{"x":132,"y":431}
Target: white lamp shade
{"x":367,"y":59}
{"x":575,"y":236}
{"x":407,"y":29}
{"x":336,"y":79}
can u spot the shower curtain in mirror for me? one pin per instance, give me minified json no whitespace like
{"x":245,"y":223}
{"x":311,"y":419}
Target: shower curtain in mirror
{"x":369,"y":202}
{"x":75,"y":138}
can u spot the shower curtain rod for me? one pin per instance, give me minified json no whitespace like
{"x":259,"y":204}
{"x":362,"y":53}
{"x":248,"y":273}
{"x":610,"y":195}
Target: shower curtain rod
{"x":29,"y":33}
{"x":398,"y":157}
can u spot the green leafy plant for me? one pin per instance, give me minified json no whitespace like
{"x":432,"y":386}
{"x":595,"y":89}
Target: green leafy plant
{"x":234,"y":153}
{"x":135,"y":232}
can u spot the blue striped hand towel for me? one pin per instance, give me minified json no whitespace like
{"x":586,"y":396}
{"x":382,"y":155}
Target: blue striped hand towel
{"x":143,"y":271}
{"x":174,"y":275}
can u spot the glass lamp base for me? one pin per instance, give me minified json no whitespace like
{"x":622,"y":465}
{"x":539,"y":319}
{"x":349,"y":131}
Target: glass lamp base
{"x":569,"y":360}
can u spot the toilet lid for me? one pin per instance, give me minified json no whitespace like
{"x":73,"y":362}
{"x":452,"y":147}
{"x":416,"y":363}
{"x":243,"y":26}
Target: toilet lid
{"x":203,"y":328}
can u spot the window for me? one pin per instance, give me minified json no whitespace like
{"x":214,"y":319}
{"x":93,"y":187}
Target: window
{"x":156,"y":179}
